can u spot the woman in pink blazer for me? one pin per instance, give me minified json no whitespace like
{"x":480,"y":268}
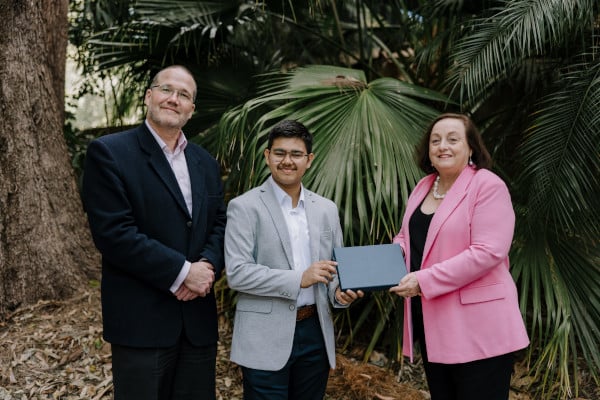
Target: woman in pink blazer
{"x":461,"y":301}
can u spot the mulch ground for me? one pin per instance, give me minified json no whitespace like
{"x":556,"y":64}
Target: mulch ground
{"x":55,"y":350}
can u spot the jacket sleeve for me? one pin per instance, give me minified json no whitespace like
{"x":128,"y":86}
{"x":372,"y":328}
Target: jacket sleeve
{"x":338,"y":241}
{"x":488,"y":237}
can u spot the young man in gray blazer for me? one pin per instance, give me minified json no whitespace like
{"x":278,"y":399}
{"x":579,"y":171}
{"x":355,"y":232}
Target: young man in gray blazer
{"x":279,"y":241}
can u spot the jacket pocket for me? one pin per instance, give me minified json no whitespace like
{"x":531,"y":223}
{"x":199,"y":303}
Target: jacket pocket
{"x":480,"y":294}
{"x":255,"y":305}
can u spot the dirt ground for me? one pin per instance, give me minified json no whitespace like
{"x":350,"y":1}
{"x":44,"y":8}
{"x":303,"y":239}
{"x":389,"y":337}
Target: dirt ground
{"x":55,"y":350}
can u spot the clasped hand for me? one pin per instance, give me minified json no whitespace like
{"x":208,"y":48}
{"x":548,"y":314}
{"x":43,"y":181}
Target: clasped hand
{"x":198,"y":281}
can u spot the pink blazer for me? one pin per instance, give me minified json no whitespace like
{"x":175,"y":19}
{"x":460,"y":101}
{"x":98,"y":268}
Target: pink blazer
{"x":470,"y":303}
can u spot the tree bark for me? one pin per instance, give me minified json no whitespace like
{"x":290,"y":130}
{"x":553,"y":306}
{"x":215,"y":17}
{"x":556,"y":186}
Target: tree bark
{"x":45,"y":247}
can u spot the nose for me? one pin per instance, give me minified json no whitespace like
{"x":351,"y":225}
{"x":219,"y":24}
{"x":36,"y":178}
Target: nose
{"x":174,"y":96}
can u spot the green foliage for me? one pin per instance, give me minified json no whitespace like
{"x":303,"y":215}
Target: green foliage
{"x":364,"y":137}
{"x":529,"y":73}
{"x":526,"y":70}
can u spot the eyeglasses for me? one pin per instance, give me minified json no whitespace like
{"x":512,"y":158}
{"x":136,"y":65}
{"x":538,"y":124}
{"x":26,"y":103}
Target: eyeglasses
{"x":168,"y":92}
{"x":280,"y":154}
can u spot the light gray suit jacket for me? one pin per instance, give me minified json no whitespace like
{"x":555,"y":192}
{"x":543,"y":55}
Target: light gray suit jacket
{"x":258,"y":263}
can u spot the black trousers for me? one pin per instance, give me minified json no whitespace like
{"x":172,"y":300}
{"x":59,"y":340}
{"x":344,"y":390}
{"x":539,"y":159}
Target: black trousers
{"x":181,"y":372}
{"x":487,"y":379}
{"x":305,"y":375}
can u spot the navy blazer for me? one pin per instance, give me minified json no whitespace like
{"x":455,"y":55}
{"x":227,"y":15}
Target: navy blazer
{"x":141,"y":226}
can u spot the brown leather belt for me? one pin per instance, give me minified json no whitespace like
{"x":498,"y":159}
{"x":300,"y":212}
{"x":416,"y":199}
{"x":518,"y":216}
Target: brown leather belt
{"x":305,"y":312}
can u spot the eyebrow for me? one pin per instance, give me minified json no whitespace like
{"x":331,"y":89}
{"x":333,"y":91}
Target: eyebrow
{"x":282,"y":149}
{"x":449,"y":133}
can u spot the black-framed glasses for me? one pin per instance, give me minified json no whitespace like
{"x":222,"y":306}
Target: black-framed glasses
{"x":280,"y":154}
{"x":168,"y":91}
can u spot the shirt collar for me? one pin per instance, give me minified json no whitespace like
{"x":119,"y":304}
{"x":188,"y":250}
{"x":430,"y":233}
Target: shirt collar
{"x":181,"y":140}
{"x":282,"y":197}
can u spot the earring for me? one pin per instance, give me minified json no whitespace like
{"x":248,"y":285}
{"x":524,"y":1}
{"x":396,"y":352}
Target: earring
{"x":471,"y":163}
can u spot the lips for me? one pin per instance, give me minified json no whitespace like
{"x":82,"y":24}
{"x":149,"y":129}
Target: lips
{"x":287,"y":170}
{"x":170,"y":109}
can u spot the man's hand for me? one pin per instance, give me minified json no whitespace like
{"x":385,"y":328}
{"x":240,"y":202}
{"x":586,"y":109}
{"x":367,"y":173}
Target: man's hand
{"x":320,"y":271}
{"x":348,"y":296}
{"x":200,"y":278}
{"x":185,"y":294}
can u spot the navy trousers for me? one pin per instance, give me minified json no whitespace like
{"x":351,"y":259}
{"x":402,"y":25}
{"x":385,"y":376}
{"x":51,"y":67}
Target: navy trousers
{"x":305,"y":375}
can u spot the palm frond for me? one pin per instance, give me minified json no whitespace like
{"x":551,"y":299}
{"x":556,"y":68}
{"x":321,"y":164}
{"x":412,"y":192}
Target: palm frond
{"x":496,"y":44}
{"x":166,"y":31}
{"x":364,"y":137}
{"x":560,"y":154}
{"x":560,"y":281}
{"x":556,"y":257}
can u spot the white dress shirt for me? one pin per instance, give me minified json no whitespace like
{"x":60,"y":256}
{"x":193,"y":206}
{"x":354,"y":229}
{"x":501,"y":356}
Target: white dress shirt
{"x":297,"y":226}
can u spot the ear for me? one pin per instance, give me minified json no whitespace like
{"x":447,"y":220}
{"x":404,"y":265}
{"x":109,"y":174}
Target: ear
{"x":266,"y":154}
{"x":147,"y":97}
{"x":311,"y":156}
{"x":191,"y":112}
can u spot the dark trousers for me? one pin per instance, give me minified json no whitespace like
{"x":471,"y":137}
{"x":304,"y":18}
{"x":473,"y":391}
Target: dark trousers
{"x":180,"y":372}
{"x":487,"y":379}
{"x":304,"y":377}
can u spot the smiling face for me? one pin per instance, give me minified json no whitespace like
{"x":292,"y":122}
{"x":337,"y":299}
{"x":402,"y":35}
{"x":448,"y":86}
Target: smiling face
{"x":449,"y":150}
{"x":288,"y":171}
{"x":170,"y":110}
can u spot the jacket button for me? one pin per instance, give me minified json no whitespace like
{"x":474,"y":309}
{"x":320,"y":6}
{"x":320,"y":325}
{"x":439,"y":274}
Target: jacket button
{"x":292,"y":307}
{"x":189,"y":224}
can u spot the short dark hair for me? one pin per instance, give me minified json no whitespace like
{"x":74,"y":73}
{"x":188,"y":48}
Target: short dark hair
{"x":291,"y":129}
{"x":481,"y":157}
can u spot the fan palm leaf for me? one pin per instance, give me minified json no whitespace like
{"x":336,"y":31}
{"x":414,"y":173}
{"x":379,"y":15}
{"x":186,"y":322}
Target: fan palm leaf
{"x":364,"y":137}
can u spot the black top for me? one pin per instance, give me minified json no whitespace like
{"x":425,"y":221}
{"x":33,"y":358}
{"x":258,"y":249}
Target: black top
{"x":418,"y":226}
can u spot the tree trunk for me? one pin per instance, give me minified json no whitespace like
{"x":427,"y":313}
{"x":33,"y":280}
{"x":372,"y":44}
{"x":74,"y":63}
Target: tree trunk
{"x":45,"y":247}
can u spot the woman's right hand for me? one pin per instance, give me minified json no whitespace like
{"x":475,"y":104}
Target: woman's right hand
{"x":408,"y":286}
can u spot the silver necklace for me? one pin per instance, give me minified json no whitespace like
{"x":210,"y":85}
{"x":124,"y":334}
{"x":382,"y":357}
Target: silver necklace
{"x":436,"y":195}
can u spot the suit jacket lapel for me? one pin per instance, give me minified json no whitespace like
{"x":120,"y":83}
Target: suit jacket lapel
{"x":197,"y":181}
{"x":158,"y":162}
{"x":267,"y":195}
{"x":313,"y":225}
{"x":453,"y":198}
{"x":314,"y":233}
